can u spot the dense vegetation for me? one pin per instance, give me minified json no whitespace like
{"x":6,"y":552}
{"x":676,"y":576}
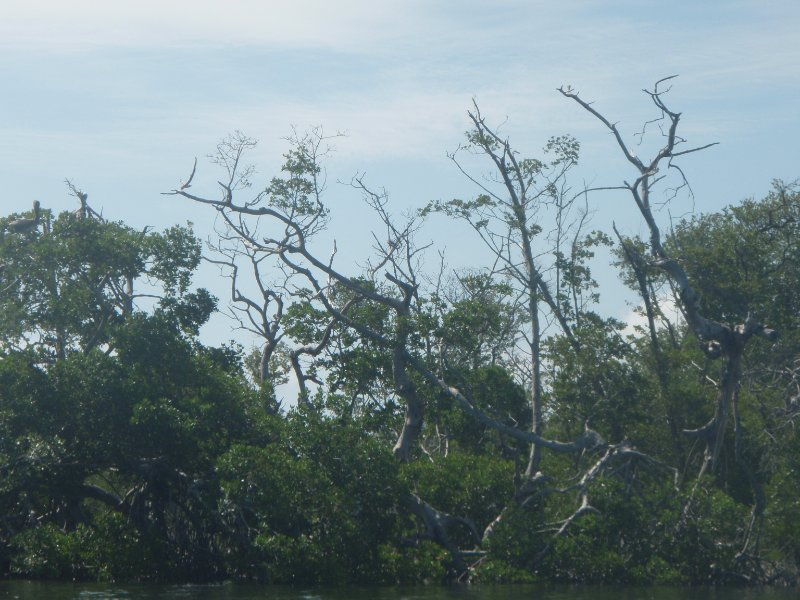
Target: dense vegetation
{"x":425,"y":440}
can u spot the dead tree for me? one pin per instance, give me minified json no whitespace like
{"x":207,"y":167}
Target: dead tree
{"x":509,"y":217}
{"x":281,"y":223}
{"x":259,"y":312}
{"x":719,"y":340}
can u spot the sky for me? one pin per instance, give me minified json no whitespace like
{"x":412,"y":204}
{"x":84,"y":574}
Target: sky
{"x":121,"y":96}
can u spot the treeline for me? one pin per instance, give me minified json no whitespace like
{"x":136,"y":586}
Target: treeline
{"x":441,"y":430}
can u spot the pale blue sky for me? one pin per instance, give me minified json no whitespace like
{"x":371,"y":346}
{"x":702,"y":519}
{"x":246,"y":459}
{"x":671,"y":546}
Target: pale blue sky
{"x":120,"y":96}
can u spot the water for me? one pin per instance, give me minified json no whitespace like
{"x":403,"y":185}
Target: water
{"x":32,"y":590}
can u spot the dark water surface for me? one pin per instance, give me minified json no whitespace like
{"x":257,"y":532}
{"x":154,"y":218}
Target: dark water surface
{"x":28,"y":590}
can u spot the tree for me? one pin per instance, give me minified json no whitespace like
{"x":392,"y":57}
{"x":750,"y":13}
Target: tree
{"x":68,"y":284}
{"x":532,"y":437}
{"x":510,"y":221}
{"x":720,"y":339}
{"x":282,"y":227}
{"x":112,"y":412}
{"x":743,"y":261}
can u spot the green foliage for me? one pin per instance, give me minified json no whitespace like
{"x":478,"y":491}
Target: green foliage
{"x":49,"y":553}
{"x":322,"y":504}
{"x":492,"y":390}
{"x":405,"y":564}
{"x":605,"y":361}
{"x":67,"y":288}
{"x":479,"y":324}
{"x":475,"y":487}
{"x":129,"y":450}
{"x":496,"y":570}
{"x":638,"y":536}
{"x":110,"y":550}
{"x":577,"y":287}
{"x":111,"y":415}
{"x":782,"y":522}
{"x":745,"y":258}
{"x":515,"y":543}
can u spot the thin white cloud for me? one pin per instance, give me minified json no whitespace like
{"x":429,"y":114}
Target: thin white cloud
{"x":636,"y":320}
{"x":81,"y":24}
{"x":432,"y":58}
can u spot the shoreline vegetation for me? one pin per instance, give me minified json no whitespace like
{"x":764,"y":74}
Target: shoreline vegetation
{"x":485,"y":425}
{"x":34,"y":590}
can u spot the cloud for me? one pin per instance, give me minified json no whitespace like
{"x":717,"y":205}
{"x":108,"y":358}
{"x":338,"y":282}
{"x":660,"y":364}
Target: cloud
{"x":398,"y":75}
{"x":83,"y":24}
{"x":636,"y":320}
